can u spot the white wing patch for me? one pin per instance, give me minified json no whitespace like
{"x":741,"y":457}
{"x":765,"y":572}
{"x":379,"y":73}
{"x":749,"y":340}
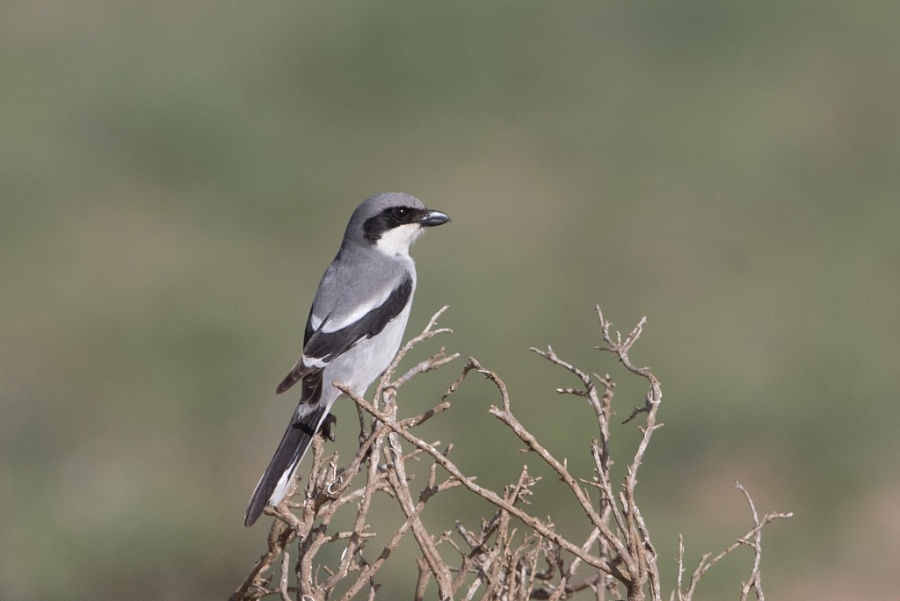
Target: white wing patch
{"x":316,"y":362}
{"x":333,"y":325}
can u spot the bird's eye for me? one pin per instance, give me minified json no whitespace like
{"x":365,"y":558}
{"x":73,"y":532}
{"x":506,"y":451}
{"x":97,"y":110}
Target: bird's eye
{"x":400,"y":213}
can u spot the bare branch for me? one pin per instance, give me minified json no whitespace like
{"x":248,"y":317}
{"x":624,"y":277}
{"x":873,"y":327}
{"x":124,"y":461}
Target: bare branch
{"x":511,"y":555}
{"x":469,"y":483}
{"x":754,"y":533}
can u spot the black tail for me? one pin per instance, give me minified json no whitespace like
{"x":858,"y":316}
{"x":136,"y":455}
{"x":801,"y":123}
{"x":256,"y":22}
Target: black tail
{"x":290,"y":451}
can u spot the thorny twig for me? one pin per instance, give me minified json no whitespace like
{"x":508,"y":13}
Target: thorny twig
{"x":752,"y":539}
{"x":513,"y":555}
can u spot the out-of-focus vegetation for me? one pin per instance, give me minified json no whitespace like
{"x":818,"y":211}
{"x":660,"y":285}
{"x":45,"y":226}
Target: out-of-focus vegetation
{"x":174,"y":178}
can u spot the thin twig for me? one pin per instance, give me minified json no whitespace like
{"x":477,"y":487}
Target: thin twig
{"x":512,"y":555}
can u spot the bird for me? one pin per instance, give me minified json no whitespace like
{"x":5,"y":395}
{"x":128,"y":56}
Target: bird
{"x":355,"y":326}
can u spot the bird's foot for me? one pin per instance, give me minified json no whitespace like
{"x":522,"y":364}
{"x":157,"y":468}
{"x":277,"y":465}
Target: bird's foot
{"x":327,"y":427}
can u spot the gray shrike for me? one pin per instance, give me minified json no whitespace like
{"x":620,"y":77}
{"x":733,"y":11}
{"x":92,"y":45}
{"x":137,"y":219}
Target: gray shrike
{"x":355,"y":325}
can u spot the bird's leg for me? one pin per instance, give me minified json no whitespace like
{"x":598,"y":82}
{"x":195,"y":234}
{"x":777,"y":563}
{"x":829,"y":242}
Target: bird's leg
{"x":327,"y":427}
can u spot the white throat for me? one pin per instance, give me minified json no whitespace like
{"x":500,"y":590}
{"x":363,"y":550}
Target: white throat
{"x":397,"y":241}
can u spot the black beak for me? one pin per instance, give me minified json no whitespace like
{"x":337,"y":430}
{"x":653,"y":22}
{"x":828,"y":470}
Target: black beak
{"x":433,"y":218}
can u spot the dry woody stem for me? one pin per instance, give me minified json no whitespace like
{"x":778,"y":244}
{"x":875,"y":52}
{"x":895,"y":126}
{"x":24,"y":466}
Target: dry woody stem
{"x":511,"y":554}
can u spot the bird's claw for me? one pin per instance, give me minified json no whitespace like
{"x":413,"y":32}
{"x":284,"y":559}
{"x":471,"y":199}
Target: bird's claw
{"x":327,"y":427}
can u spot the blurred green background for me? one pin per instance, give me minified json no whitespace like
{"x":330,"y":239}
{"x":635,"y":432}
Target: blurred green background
{"x":174,"y":178}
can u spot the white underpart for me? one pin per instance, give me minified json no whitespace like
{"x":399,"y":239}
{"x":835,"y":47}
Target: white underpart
{"x":357,"y":368}
{"x":333,"y":325}
{"x":396,"y":241}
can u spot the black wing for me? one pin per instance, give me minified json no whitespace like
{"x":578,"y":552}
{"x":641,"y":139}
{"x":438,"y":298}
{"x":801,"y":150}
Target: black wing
{"x":325,"y":346}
